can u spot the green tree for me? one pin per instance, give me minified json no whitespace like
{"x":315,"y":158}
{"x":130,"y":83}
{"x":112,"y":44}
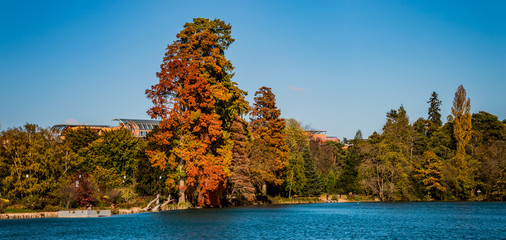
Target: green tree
{"x":487,"y":127}
{"x":79,"y":138}
{"x":313,"y":184}
{"x":442,"y":142}
{"x":348,"y":178}
{"x":387,"y":164}
{"x":488,"y":146}
{"x":155,"y":179}
{"x":30,"y":161}
{"x":493,"y":170}
{"x":434,"y":119}
{"x":296,"y":140}
{"x":324,"y":154}
{"x":420,"y":136}
{"x":112,"y":158}
{"x":376,"y":171}
{"x":358,"y":136}
{"x":331,"y":182}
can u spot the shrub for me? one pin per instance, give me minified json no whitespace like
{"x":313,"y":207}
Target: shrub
{"x":3,"y":204}
{"x":51,"y":208}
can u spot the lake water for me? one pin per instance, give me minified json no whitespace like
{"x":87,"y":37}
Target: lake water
{"x":418,"y":220}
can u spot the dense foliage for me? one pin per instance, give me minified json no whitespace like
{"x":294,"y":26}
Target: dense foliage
{"x":207,"y":154}
{"x":41,"y":170}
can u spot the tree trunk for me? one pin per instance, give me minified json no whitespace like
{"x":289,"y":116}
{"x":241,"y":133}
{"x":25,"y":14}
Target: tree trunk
{"x":157,"y":199}
{"x":290,"y":191}
{"x":182,"y":197}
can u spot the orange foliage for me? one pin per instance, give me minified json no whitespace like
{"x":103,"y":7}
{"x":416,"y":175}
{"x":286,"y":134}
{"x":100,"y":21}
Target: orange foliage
{"x":197,"y":101}
{"x":269,"y":153}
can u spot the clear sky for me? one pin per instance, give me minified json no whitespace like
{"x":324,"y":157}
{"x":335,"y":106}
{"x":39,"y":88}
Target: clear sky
{"x":334,"y":65}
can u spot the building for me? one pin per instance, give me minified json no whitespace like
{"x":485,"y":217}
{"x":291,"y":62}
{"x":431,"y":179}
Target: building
{"x":321,"y":135}
{"x":138,"y":127}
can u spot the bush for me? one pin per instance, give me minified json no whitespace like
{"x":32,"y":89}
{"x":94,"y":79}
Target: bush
{"x":127,"y":194}
{"x":3,"y":204}
{"x":33,"y":202}
{"x":114,"y":195}
{"x":51,"y":208}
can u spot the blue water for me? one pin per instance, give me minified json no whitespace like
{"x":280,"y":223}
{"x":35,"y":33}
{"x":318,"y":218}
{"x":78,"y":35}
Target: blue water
{"x":419,"y":220}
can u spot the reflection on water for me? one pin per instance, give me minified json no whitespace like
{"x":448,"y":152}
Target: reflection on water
{"x":420,"y":220}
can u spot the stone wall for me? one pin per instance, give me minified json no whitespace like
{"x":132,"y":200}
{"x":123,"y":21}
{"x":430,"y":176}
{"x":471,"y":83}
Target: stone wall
{"x":84,"y":213}
{"x":28,"y":215}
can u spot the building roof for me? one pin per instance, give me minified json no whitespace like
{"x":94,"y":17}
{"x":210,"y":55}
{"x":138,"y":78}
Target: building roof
{"x":60,"y":127}
{"x":315,"y":131}
{"x":142,"y":124}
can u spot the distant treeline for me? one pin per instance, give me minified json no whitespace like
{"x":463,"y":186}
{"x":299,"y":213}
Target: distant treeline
{"x":418,"y":161}
{"x":206,"y":153}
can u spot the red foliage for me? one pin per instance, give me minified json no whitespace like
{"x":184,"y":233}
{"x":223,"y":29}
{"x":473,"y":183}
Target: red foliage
{"x":83,"y":190}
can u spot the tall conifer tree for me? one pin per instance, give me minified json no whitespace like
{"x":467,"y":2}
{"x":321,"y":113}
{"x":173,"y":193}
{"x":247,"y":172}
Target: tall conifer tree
{"x":461,"y":119}
{"x":269,"y":153}
{"x":197,"y":101}
{"x":434,"y":108}
{"x":313,"y":186}
{"x":462,"y":131}
{"x":241,"y":188}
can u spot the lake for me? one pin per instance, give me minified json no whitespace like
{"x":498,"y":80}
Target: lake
{"x":410,"y":220}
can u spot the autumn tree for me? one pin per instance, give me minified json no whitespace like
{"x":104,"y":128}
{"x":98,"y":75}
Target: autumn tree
{"x":241,"y":187}
{"x":429,"y":172}
{"x":268,"y":152}
{"x":461,"y":119}
{"x":462,"y":131}
{"x":84,"y":188}
{"x":194,"y":130}
{"x":197,"y":102}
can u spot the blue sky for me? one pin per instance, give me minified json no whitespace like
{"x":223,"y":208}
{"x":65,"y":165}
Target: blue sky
{"x":334,"y":65}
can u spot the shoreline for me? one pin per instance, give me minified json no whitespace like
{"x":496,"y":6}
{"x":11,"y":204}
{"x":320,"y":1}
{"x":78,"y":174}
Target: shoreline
{"x":6,"y":216}
{"x":135,"y":210}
